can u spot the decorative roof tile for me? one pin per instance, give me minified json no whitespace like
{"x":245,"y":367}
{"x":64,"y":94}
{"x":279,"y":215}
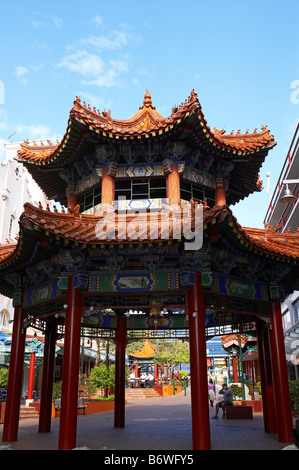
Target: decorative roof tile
{"x":148,"y":351}
{"x":146,"y":123}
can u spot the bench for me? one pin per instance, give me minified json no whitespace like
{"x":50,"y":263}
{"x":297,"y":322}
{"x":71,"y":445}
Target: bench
{"x":239,"y":412}
{"x":80,"y":406}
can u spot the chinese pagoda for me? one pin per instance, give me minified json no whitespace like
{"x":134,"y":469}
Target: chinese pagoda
{"x":145,"y":226}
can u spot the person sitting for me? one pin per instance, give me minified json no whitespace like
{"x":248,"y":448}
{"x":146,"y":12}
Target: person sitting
{"x":228,"y":400}
{"x":150,"y":380}
{"x":132,"y":380}
{"x":295,"y":445}
{"x":142,"y":380}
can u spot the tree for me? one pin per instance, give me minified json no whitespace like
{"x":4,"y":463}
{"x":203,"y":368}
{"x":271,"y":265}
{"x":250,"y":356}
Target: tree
{"x":99,"y":376}
{"x":111,"y":377}
{"x":3,"y":377}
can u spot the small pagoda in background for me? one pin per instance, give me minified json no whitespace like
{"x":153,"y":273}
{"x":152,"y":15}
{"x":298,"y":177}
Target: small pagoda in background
{"x":143,"y":361}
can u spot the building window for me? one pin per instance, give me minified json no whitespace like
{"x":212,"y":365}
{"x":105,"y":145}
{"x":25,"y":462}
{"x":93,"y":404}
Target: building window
{"x":11,"y":226}
{"x":90,"y":199}
{"x":142,"y":188}
{"x":296,"y":311}
{"x":3,"y":319}
{"x":197,"y":193}
{"x":286,"y":321}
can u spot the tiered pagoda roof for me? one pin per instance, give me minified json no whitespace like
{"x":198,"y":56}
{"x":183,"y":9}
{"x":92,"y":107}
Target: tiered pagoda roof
{"x":84,"y":229}
{"x":42,"y":231}
{"x":89,"y":127}
{"x":147,"y":122}
{"x":147,"y":352}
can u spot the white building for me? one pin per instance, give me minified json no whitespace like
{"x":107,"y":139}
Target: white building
{"x":283,"y":214}
{"x":17,"y":188}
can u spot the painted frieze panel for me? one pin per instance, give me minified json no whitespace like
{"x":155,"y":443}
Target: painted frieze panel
{"x":40,"y":294}
{"x":94,"y":319}
{"x":153,"y":322}
{"x":199,"y":178}
{"x":225,"y":318}
{"x":88,"y":182}
{"x":133,"y":283}
{"x":239,"y":288}
{"x":139,"y":204}
{"x":132,"y":171}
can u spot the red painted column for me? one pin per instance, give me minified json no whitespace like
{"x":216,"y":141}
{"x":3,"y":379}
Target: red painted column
{"x":280,"y":376}
{"x":252,"y":373}
{"x":156,"y":374}
{"x":198,"y":367}
{"x":108,"y":187}
{"x":31,"y":377}
{"x":70,"y":372}
{"x":220,"y":197}
{"x":173,"y":185}
{"x":48,"y":377}
{"x":270,"y":425}
{"x":14,"y":386}
{"x":120,"y":369}
{"x":235,"y":369}
{"x":72,"y":199}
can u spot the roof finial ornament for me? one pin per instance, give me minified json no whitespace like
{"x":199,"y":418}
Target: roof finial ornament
{"x":147,"y":101}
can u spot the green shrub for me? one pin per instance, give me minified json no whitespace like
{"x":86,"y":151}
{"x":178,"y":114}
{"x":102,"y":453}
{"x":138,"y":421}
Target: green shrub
{"x":237,"y":390}
{"x":57,"y":386}
{"x":109,"y":398}
{"x":294,"y":393}
{"x":259,"y":387}
{"x":3,"y":377}
{"x":99,"y":376}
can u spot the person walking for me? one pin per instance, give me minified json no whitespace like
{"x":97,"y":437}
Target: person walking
{"x":211,"y":389}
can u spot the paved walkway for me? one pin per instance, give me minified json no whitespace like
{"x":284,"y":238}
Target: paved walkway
{"x":162,"y":423}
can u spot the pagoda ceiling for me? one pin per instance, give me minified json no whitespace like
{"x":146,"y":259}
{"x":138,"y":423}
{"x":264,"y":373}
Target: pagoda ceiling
{"x":92,"y":138}
{"x":50,"y":243}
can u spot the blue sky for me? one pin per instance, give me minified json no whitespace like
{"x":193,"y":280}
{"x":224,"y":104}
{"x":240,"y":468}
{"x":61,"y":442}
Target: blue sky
{"x":240,"y":57}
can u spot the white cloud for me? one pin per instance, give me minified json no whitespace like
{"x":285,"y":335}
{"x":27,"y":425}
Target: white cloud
{"x":83,"y":63}
{"x":38,"y":24}
{"x":110,"y":75}
{"x":97,"y":20}
{"x":116,"y":40}
{"x":57,"y":22}
{"x":37,"y":68}
{"x":47,"y":22}
{"x":21,"y":73}
{"x":144,"y":72}
{"x":34,"y":131}
{"x":92,"y":65}
{"x":95,"y":100}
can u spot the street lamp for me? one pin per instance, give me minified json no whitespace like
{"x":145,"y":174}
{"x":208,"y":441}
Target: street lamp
{"x":288,"y":196}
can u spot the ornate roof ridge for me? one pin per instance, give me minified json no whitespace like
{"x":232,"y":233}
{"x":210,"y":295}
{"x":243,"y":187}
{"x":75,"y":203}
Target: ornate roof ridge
{"x":81,"y":228}
{"x":145,"y":122}
{"x":6,"y":249}
{"x":148,"y":350}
